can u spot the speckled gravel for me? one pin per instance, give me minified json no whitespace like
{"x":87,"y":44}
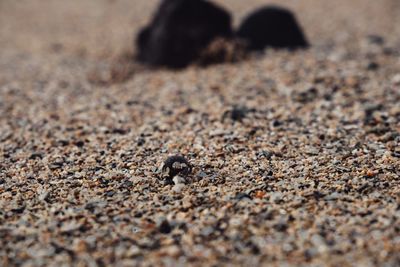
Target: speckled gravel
{"x":296,"y":156}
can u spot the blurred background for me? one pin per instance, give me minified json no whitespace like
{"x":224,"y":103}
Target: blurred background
{"x":100,"y":28}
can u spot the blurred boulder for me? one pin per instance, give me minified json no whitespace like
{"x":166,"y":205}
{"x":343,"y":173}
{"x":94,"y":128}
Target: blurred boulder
{"x":274,"y":27}
{"x":179,"y":31}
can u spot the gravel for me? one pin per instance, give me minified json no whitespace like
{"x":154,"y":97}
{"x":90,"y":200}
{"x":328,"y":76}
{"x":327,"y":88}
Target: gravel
{"x":295,"y":155}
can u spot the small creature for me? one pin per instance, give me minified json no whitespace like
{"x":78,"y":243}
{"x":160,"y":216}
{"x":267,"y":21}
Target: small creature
{"x":237,"y":113}
{"x":175,"y":165}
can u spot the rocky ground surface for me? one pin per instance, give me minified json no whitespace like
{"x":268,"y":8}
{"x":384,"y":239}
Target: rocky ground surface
{"x":296,"y":156}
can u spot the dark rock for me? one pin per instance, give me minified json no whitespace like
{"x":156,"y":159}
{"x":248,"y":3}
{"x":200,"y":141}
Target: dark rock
{"x":317,"y":194}
{"x":241,"y":196}
{"x":179,"y":31}
{"x":253,"y":131}
{"x":138,"y":214}
{"x":281,"y":227}
{"x":140,"y":141}
{"x":109,"y":194}
{"x":276,"y":123}
{"x":237,"y":113}
{"x":272,"y":27}
{"x":63,"y":142}
{"x":18,"y":210}
{"x":164,"y":227}
{"x":396,"y":154}
{"x":119,"y":131}
{"x":306,"y":96}
{"x":90,"y":207}
{"x":390,"y":51}
{"x":265,"y":154}
{"x":372,"y":66}
{"x":254,"y":249}
{"x":369,"y":114}
{"x":36,"y":155}
{"x":127,"y":184}
{"x":376,"y":39}
{"x":60,"y":249}
{"x":80,"y":143}
{"x":55,"y":165}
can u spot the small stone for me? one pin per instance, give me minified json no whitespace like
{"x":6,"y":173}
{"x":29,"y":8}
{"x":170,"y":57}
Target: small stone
{"x":375,"y":39}
{"x":173,"y":251}
{"x":281,"y":227}
{"x":179,"y":180}
{"x":140,"y":141}
{"x":18,"y":210}
{"x":372,"y":66}
{"x":237,"y":113}
{"x":306,"y":96}
{"x":109,"y":193}
{"x":201,"y":175}
{"x":80,"y":143}
{"x":241,"y":196}
{"x":217,"y":132}
{"x":396,"y":154}
{"x":63,"y":142}
{"x":134,"y":251}
{"x":276,"y":197}
{"x":259,"y":194}
{"x":164,"y":227}
{"x":178,"y":188}
{"x":56,"y":164}
{"x":36,"y":155}
{"x":127,"y":184}
{"x":276,"y":123}
{"x":396,"y":79}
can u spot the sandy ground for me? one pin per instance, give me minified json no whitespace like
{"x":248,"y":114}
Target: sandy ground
{"x":309,"y":177}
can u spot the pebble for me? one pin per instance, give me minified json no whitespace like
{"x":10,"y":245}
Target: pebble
{"x":177,"y":188}
{"x":179,"y":180}
{"x":164,"y":226}
{"x":396,"y":79}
